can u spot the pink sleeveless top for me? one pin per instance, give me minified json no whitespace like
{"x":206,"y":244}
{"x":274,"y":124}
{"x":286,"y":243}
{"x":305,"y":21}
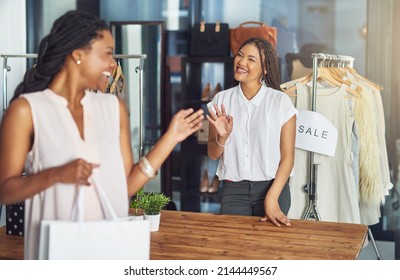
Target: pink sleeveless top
{"x":57,"y":141}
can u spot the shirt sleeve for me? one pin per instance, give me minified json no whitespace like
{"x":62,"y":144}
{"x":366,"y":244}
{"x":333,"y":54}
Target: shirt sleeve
{"x":287,"y":109}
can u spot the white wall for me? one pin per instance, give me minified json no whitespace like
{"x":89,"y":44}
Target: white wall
{"x":54,"y":9}
{"x":13,"y":41}
{"x":13,"y":37}
{"x":236,"y":11}
{"x":350,"y":18}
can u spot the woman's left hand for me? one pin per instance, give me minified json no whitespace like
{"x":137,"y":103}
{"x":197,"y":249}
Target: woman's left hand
{"x":222,"y":122}
{"x":185,"y":122}
{"x":274,"y":213}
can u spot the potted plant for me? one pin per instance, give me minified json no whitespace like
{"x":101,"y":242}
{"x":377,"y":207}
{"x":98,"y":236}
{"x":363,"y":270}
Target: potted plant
{"x":152,"y":204}
{"x":137,"y":213}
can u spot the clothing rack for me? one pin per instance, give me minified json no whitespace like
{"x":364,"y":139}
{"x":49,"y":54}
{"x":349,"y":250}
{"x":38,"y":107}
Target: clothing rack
{"x":332,"y":60}
{"x":338,"y":61}
{"x":138,"y":69}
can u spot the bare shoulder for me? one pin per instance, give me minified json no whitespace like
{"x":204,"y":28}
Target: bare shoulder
{"x":18,"y":113}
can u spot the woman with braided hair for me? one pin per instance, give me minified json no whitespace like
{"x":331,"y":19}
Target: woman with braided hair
{"x":252,"y":131}
{"x":65,"y":136}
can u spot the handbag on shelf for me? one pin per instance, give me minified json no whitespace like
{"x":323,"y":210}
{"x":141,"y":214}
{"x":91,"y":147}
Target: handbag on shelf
{"x":109,"y":239}
{"x":209,"y":39}
{"x":250,"y":29}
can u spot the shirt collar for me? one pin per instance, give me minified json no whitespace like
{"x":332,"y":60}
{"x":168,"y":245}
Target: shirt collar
{"x":256,"y":100}
{"x":62,"y":101}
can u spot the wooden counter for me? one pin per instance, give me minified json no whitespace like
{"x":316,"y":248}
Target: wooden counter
{"x":202,"y":236}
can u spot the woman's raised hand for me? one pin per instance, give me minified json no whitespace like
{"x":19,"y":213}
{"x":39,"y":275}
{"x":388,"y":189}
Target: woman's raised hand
{"x":222,"y":122}
{"x":185,"y":122}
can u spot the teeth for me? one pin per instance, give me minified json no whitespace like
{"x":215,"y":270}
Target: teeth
{"x":106,"y":73}
{"x":240,"y":70}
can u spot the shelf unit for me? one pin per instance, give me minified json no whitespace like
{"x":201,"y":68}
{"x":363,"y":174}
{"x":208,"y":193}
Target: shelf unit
{"x":196,"y":73}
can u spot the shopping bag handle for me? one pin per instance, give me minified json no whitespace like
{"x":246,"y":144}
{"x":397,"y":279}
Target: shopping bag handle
{"x":78,"y":209}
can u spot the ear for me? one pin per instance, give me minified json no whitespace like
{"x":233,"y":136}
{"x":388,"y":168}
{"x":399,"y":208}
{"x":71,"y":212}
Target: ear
{"x":77,"y":56}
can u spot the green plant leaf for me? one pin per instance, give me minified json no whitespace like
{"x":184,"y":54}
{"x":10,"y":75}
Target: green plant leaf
{"x":153,"y":203}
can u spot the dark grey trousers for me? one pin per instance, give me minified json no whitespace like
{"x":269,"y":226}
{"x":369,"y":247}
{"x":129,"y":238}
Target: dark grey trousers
{"x":247,"y":198}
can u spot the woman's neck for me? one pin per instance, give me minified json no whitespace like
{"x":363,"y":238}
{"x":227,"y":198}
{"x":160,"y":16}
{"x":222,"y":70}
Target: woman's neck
{"x":250,"y":89}
{"x":67,"y":87}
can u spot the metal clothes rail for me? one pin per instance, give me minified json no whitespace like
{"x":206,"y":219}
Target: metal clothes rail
{"x":328,"y":60}
{"x":331,"y":61}
{"x":138,"y":69}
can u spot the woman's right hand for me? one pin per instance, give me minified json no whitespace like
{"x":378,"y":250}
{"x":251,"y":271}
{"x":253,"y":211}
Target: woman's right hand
{"x":75,"y":172}
{"x":222,"y":122}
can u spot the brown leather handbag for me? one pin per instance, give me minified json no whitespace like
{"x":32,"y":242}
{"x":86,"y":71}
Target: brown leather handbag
{"x":257,"y":29}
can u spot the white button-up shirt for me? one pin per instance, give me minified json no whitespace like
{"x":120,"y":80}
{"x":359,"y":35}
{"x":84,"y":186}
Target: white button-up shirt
{"x":252,"y":151}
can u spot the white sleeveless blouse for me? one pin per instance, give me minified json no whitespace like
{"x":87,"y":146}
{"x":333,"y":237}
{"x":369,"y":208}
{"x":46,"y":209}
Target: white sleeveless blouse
{"x":57,"y":141}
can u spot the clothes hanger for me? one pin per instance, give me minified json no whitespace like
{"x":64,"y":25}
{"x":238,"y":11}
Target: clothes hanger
{"x":333,"y":75}
{"x":325,"y":73}
{"x":364,"y":79}
{"x":117,"y":74}
{"x":339,"y":74}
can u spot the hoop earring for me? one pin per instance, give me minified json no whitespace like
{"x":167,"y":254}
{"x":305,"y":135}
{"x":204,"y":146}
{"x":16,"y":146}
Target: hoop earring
{"x":262,"y":80}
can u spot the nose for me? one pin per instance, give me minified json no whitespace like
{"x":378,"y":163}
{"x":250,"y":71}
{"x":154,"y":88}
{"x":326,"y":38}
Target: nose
{"x":238,"y":61}
{"x":113,"y":63}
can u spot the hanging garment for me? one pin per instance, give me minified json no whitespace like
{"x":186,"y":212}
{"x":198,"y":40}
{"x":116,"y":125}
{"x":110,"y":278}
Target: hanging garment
{"x":374,"y":183}
{"x":337,"y":191}
{"x":386,"y":180}
{"x":117,"y":84}
{"x":58,"y":141}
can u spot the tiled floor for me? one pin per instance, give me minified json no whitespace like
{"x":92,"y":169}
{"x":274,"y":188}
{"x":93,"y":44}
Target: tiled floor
{"x":385,"y":248}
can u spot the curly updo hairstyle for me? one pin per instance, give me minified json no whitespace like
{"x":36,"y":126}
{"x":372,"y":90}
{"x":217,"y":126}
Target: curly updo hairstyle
{"x":71,"y":31}
{"x":269,"y":61}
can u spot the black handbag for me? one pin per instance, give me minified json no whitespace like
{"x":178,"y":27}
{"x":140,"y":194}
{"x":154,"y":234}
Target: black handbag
{"x":210,"y":39}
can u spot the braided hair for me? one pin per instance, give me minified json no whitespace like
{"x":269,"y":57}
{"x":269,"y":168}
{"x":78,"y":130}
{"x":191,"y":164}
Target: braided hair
{"x":269,"y":61}
{"x":71,"y":31}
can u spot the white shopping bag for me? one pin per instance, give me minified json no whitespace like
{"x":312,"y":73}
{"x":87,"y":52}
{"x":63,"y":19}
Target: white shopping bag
{"x":113,"y":239}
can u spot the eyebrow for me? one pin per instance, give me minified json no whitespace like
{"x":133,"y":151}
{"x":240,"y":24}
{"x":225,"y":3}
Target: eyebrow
{"x":252,"y":56}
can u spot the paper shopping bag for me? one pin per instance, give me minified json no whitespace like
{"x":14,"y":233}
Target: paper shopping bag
{"x":111,"y":238}
{"x":95,"y":240}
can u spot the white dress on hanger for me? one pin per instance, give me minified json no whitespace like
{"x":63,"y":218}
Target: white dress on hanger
{"x":337,"y":191}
